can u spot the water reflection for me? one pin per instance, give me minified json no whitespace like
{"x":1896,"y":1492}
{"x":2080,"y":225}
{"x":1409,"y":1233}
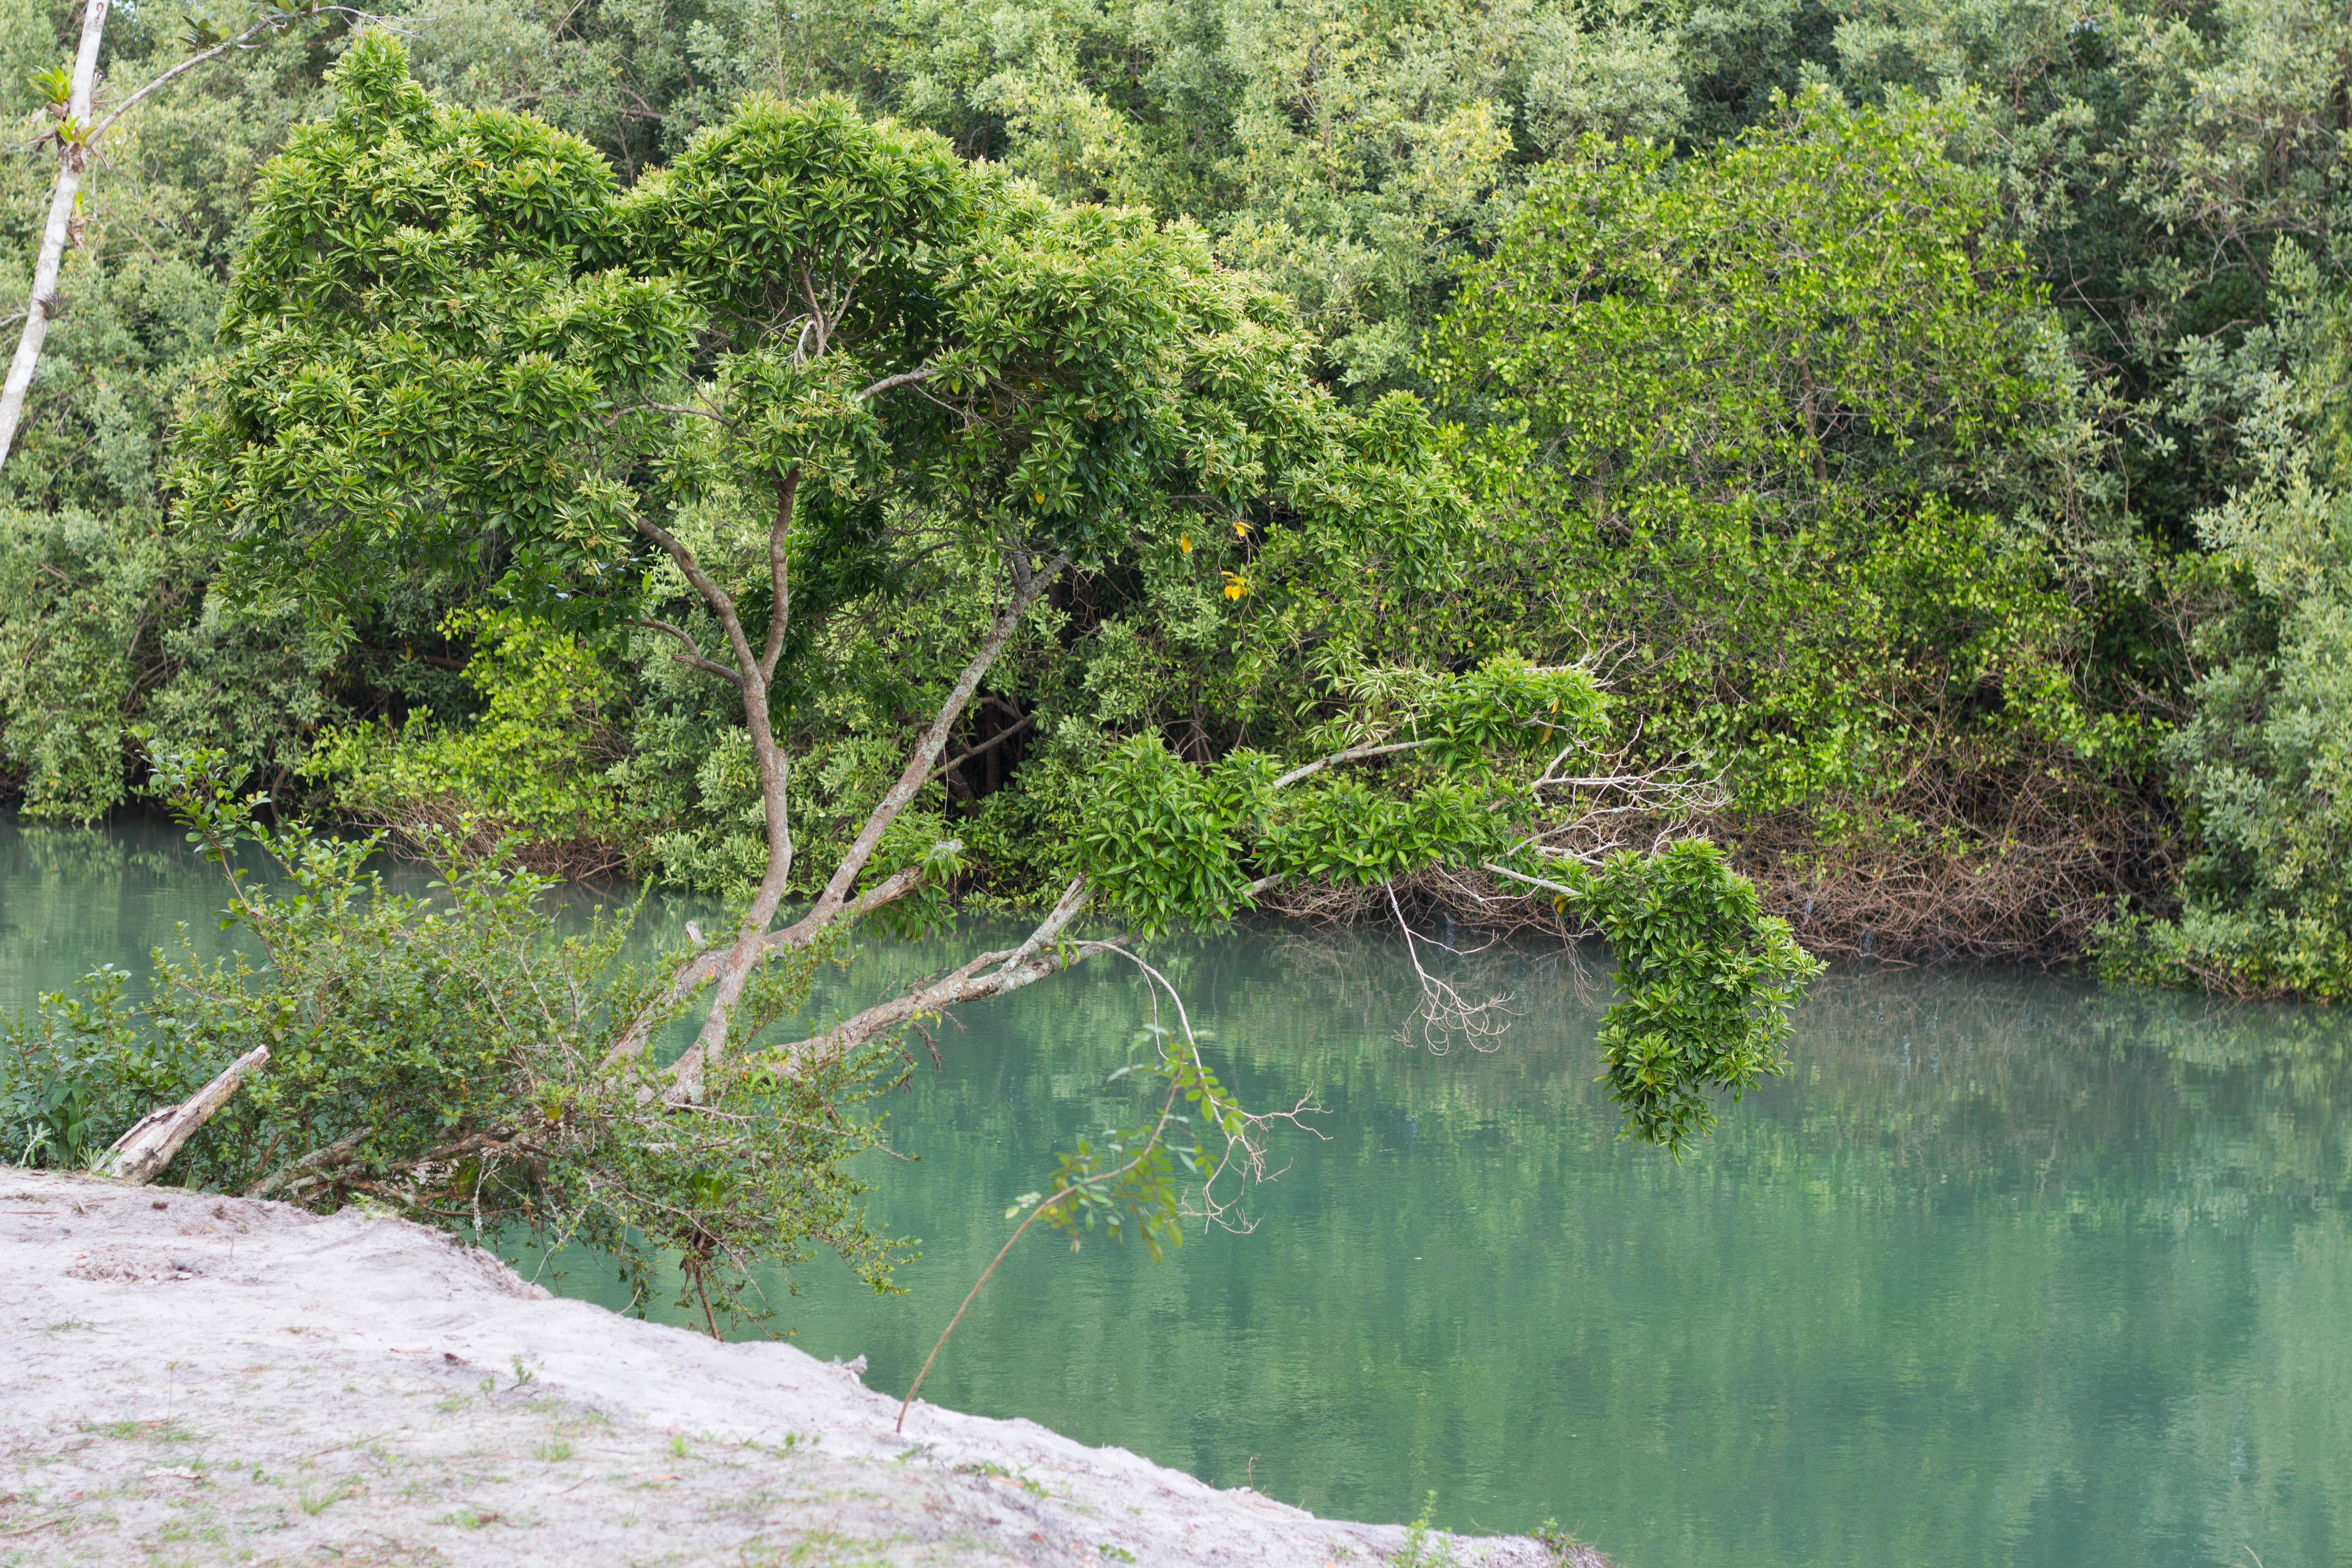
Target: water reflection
{"x":2008,"y":1271}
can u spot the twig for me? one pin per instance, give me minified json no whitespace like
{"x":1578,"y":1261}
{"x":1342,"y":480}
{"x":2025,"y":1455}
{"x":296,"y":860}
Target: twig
{"x":972,"y":1294}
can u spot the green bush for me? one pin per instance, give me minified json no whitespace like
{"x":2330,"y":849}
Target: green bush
{"x":530,"y":769}
{"x":451,"y":1057}
{"x":1781,"y":434}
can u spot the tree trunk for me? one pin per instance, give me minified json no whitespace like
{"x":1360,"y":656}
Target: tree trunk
{"x":73,"y":156}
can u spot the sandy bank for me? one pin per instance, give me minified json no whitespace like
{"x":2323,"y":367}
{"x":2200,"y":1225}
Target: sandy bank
{"x":192,"y":1379}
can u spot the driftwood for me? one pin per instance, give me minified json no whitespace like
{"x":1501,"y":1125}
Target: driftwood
{"x":139,"y":1156}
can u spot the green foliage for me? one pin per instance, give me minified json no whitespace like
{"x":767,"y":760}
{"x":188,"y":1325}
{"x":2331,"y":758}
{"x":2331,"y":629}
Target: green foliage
{"x":1705,"y":979}
{"x":452,"y":339}
{"x":1129,"y":1181}
{"x":455,"y":243}
{"x":763,"y":390}
{"x":1997,"y":252}
{"x":362,"y":404}
{"x":78,"y":1070}
{"x":105,"y":609}
{"x":525,"y":769}
{"x":1736,"y":402}
{"x":1705,"y":984}
{"x":1785,"y":428}
{"x":449,"y":1055}
{"x":66,"y":655}
{"x":1171,"y":842}
{"x":2264,"y":759}
{"x":1419,"y":1551}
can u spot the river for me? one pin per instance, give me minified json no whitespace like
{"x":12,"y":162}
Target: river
{"x":2008,"y":1269}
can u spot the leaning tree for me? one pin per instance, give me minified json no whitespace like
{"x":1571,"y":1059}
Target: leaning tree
{"x":766,"y":381}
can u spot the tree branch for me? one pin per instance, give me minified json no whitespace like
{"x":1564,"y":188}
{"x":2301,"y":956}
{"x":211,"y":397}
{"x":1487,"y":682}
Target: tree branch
{"x":317,"y":1159}
{"x":58,"y":232}
{"x":1353,"y":754}
{"x":704,"y":967}
{"x":1444,"y":1011}
{"x":693,"y":655}
{"x":193,"y":61}
{"x":1562,"y":889}
{"x":779,"y":573}
{"x":687,"y":1073}
{"x":918,"y":771}
{"x":990,"y":975}
{"x":903,"y":378}
{"x":1028,"y":722}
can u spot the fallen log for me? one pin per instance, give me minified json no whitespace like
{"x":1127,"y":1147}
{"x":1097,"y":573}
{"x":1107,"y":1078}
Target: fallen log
{"x":139,"y":1156}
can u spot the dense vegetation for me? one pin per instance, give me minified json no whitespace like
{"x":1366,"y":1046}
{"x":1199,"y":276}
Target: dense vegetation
{"x":1924,"y":420}
{"x":816,"y":384}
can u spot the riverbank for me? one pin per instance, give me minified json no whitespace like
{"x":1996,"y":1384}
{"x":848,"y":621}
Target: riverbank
{"x":198,"y":1379}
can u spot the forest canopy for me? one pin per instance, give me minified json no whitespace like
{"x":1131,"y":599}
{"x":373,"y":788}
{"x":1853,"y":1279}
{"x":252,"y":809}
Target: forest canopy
{"x":1923,"y":424}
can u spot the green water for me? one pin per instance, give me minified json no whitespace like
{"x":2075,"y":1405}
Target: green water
{"x":2006,"y":1270}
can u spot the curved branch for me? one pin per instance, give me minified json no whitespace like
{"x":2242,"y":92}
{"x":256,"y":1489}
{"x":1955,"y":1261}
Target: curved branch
{"x":193,"y":61}
{"x":1241,"y":1130}
{"x":717,"y":597}
{"x":704,"y":967}
{"x":693,"y":655}
{"x":918,"y":771}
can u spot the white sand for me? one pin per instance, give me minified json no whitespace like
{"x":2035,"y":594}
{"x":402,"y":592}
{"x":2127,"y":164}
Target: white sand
{"x":200,"y":1380}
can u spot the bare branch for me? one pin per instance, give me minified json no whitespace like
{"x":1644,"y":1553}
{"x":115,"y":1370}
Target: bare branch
{"x":1562,"y":889}
{"x":193,"y":61}
{"x":1352,"y":754}
{"x":704,"y":967}
{"x":687,"y":1072}
{"x":1444,"y":1012}
{"x":1028,"y":722}
{"x":904,"y":378}
{"x":62,"y":228}
{"x":717,"y":597}
{"x":316,"y":1160}
{"x":1074,"y":899}
{"x":989,"y":974}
